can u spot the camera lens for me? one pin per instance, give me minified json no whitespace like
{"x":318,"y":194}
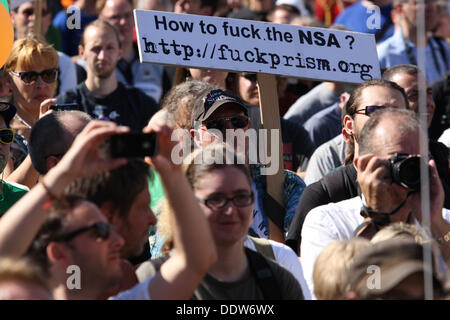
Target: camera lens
{"x":406,"y":171}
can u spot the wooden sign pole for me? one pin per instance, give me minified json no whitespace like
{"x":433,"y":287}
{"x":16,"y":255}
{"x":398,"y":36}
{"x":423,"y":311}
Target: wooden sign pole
{"x":270,"y":118}
{"x":37,"y":17}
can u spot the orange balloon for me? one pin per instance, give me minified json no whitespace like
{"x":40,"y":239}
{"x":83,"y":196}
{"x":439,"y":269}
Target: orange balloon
{"x":6,"y":35}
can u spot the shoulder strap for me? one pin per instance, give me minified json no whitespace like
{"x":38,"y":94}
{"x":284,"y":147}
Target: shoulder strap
{"x":264,"y":275}
{"x":333,"y":183}
{"x":264,"y":247}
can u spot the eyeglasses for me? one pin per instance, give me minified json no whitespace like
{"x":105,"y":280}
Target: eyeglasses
{"x":238,"y":122}
{"x":218,"y":202}
{"x":101,"y":229}
{"x":30,"y":12}
{"x":368,"y":110}
{"x":7,"y":135}
{"x":30,"y":77}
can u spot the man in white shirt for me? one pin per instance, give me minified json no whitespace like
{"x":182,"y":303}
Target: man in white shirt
{"x":387,"y":135}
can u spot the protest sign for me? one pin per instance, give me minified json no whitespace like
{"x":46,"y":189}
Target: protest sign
{"x":253,"y":46}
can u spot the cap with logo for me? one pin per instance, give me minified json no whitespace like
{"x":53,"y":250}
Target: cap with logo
{"x":212,"y":101}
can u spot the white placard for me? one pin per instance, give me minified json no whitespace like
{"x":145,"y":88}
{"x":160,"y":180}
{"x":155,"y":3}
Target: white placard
{"x":253,"y":46}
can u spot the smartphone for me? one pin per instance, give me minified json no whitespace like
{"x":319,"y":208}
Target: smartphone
{"x":133,"y":145}
{"x":65,"y":106}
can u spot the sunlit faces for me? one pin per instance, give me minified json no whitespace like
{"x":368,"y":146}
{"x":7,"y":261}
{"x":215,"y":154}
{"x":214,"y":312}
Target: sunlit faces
{"x":410,"y":7}
{"x":119,"y":13}
{"x":101,"y":51}
{"x":211,"y":76}
{"x":248,"y":90}
{"x":225,"y":111}
{"x":23,"y":19}
{"x":411,"y":85}
{"x":135,"y":225}
{"x":188,"y":6}
{"x":99,"y":260}
{"x":380,"y":96}
{"x":283,"y":16}
{"x":31,"y":96}
{"x":230,"y":224}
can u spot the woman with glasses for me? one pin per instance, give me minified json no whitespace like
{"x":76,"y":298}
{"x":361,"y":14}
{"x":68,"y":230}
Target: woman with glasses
{"x":32,"y":71}
{"x":32,"y":67}
{"x":225,"y":195}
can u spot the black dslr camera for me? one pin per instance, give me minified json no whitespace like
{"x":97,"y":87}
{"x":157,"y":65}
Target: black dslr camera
{"x":405,"y":170}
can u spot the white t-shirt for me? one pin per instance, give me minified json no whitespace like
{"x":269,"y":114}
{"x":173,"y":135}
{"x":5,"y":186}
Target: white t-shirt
{"x":333,"y":221}
{"x":287,"y":258}
{"x":138,"y":292}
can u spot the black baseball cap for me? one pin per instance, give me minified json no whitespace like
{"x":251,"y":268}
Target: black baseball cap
{"x":212,"y":101}
{"x":7,"y":111}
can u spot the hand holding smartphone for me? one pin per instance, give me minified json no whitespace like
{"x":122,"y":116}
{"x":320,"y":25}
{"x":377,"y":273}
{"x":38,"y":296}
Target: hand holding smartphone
{"x":133,"y":145}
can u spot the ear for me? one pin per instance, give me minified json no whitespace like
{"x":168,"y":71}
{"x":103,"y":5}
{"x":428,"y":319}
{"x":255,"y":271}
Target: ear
{"x":51,"y":162}
{"x":355,"y":161}
{"x":13,"y":17}
{"x":347,"y":130}
{"x":57,"y":254}
{"x":195,"y":136}
{"x":81,"y":51}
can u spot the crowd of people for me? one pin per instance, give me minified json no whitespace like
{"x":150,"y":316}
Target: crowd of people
{"x":362,"y":206}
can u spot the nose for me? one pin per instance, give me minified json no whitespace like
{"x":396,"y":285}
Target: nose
{"x":151,"y":218}
{"x":116,"y":240}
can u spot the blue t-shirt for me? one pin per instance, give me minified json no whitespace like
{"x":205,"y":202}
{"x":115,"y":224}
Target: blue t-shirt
{"x":71,"y":37}
{"x":359,"y":18}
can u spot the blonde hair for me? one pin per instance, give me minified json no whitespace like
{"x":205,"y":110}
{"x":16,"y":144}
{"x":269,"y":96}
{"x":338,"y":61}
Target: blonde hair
{"x":30,"y":52}
{"x":399,"y":230}
{"x":331,"y":266}
{"x":22,"y":269}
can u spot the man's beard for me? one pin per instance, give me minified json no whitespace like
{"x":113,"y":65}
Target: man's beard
{"x":103,"y":73}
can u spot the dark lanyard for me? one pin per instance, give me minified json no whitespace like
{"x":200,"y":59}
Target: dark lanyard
{"x":412,"y":58}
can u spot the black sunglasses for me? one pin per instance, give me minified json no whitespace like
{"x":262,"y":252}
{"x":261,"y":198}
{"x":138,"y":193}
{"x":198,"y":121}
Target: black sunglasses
{"x":30,"y":11}
{"x":30,"y":77}
{"x":250,"y":76}
{"x":7,"y":135}
{"x":102,"y":231}
{"x":238,"y":122}
{"x":368,"y":110}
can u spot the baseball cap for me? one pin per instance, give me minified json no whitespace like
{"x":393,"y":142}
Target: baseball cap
{"x":213,"y":100}
{"x":396,"y":259}
{"x":7,"y":111}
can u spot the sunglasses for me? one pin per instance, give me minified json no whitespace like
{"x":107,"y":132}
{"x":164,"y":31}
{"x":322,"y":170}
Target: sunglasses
{"x":368,"y":110}
{"x":238,"y":122}
{"x":30,"y":77}
{"x":101,"y":229}
{"x":7,"y":135}
{"x":30,"y":12}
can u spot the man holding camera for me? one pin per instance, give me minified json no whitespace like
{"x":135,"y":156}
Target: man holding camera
{"x":388,"y":147}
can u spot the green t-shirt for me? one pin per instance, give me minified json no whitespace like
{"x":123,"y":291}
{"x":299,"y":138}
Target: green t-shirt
{"x":10,"y":194}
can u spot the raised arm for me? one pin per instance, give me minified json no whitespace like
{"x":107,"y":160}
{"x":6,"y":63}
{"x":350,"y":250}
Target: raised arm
{"x":195,"y":250}
{"x":21,"y":223}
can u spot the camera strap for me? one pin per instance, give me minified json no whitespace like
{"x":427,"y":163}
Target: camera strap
{"x":378,"y":218}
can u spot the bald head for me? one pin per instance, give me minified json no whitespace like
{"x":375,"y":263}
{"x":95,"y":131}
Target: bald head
{"x":53,"y":135}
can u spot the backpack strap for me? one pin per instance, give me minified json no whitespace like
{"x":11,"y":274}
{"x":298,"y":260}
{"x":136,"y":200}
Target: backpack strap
{"x":264,"y":247}
{"x":333,"y":184}
{"x":263,"y":275}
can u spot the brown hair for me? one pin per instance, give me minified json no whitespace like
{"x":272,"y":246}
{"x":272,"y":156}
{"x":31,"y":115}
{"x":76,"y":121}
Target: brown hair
{"x":354,"y":101}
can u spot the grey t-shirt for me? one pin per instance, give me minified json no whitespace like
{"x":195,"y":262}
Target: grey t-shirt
{"x":326,"y":158}
{"x":247,"y":287}
{"x":317,"y":99}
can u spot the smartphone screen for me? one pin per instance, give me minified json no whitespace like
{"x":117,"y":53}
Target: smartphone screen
{"x":132,"y":145}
